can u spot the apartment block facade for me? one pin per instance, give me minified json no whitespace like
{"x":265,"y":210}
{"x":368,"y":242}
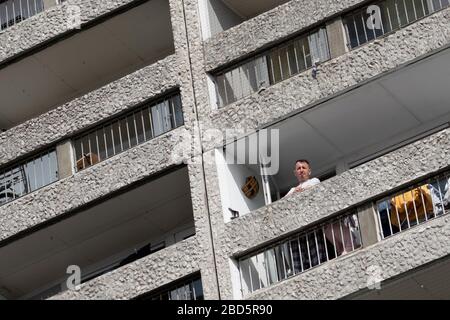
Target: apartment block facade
{"x":147,"y":148}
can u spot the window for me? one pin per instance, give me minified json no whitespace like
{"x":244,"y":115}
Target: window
{"x":130,"y":130}
{"x":392,"y":14}
{"x":28,"y":177}
{"x":275,"y":65}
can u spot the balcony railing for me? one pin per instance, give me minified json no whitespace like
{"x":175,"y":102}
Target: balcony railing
{"x":272,"y":66}
{"x":15,"y":11}
{"x":395,"y":213}
{"x":411,"y":207}
{"x":189,"y":289}
{"x":128,"y":131}
{"x":300,"y":253}
{"x":392,"y":15}
{"x":28,"y":176}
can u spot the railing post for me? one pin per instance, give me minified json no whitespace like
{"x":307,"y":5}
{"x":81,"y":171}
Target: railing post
{"x":65,"y":159}
{"x":368,"y":223}
{"x":336,"y":38}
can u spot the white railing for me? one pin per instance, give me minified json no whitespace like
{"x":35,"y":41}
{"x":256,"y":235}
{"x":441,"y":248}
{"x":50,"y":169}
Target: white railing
{"x":129,"y":130}
{"x":190,"y":289}
{"x":361,"y":26}
{"x":300,"y":253}
{"x":15,"y":11}
{"x":28,"y":176}
{"x":272,"y":66}
{"x":415,"y":205}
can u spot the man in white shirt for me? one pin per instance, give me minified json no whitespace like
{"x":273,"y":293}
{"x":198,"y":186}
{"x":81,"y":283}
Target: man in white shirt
{"x":303,"y":172}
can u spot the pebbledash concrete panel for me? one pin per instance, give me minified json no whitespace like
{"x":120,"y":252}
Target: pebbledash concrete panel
{"x":144,"y":275}
{"x":336,"y":76}
{"x":52,"y":23}
{"x":367,"y":267}
{"x":89,"y":185}
{"x":86,"y":111}
{"x":348,"y":190}
{"x":270,"y":27}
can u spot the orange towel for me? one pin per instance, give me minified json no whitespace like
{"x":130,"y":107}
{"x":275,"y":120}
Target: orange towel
{"x":416,"y":200}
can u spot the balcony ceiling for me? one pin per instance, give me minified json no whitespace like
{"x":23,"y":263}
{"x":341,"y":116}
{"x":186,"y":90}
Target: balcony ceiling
{"x":250,"y":8}
{"x":369,"y":119}
{"x":429,"y":283}
{"x":84,"y":62}
{"x":120,"y":224}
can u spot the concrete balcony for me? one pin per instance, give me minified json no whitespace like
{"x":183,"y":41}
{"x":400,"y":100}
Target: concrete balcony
{"x":142,"y":276}
{"x":267,"y":28}
{"x":101,"y":237}
{"x":84,"y":112}
{"x":58,"y":72}
{"x":93,"y":183}
{"x":351,"y":189}
{"x":389,"y":61}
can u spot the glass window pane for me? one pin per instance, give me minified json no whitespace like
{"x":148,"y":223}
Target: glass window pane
{"x":271,"y":266}
{"x":262,"y":72}
{"x":275,"y":70}
{"x":409,"y":4}
{"x":198,"y":289}
{"x":179,"y":119}
{"x":38,"y":172}
{"x":93,"y":159}
{"x":250,"y":80}
{"x":53,"y":166}
{"x":285,"y":72}
{"x":124,"y":133}
{"x":221,"y":91}
{"x":45,"y":169}
{"x":280,"y":263}
{"x":292,"y":59}
{"x":401,"y":12}
{"x":385,"y":18}
{"x":131,"y":130}
{"x":392,"y":14}
{"x":228,"y":83}
{"x":352,"y":36}
{"x":420,"y":10}
{"x":139,"y":127}
{"x":262,"y":270}
{"x":101,"y":144}
{"x":245,"y":276}
{"x":254,"y":273}
{"x":360,"y":29}
{"x":117,"y":137}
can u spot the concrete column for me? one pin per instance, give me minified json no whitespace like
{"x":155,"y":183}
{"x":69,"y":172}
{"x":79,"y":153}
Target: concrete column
{"x":368,"y":223}
{"x":336,"y":38}
{"x":50,"y":3}
{"x":65,"y":159}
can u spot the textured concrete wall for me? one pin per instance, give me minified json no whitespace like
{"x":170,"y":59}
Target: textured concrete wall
{"x":269,"y":27}
{"x":143,"y":275}
{"x":335,"y":77}
{"x":50,"y":24}
{"x":350,"y":189}
{"x":89,"y":109}
{"x":259,"y":227}
{"x":109,"y":176}
{"x":346,"y":275}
